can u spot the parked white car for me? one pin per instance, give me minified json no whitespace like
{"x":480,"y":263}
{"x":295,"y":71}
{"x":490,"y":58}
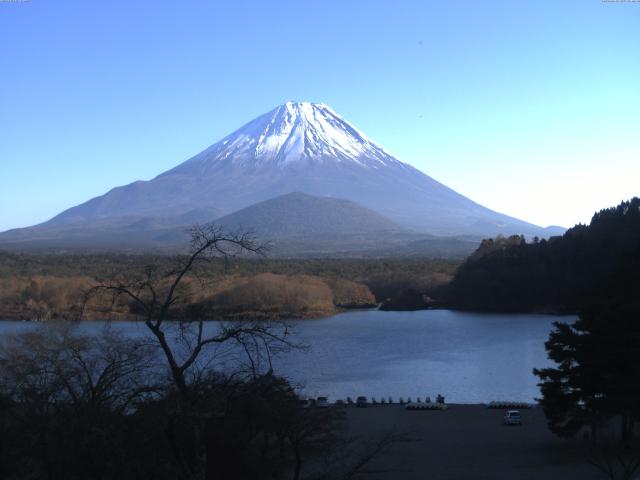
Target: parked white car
{"x":322,"y":402}
{"x":512,"y":417}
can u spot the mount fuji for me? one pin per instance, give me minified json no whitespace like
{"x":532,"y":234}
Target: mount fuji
{"x":297,"y":147}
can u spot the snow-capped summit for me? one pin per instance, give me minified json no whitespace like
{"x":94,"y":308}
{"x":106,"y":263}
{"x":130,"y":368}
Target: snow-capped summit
{"x":293,"y":133}
{"x":296,"y":147}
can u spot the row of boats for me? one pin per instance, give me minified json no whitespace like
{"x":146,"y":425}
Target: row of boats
{"x":439,"y":404}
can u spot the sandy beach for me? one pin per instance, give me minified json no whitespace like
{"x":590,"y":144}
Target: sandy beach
{"x":470,"y":442}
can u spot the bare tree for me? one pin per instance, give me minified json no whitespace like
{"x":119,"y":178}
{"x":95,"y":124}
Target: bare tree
{"x":55,"y":365}
{"x":616,"y":460}
{"x":64,"y":393}
{"x":157,"y":296}
{"x":354,"y":458}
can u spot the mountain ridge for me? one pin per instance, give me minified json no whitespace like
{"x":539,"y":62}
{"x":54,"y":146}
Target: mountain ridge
{"x":300,"y":214}
{"x":296,"y":147}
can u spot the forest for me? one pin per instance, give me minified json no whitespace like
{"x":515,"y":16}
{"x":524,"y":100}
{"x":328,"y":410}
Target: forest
{"x":589,"y":265}
{"x":106,"y":406}
{"x":44,"y":287}
{"x":183,"y":402}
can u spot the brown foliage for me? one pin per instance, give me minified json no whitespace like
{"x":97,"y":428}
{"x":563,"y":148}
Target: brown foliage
{"x":58,"y":282}
{"x":263,"y":295}
{"x":490,"y":245}
{"x":347,"y":293}
{"x":42,"y":297}
{"x":273,"y":296}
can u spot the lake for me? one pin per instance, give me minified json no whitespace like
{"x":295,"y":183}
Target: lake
{"x":467,"y":357}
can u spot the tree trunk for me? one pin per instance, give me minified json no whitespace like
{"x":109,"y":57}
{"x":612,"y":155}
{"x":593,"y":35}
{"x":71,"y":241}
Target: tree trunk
{"x":281,"y":440}
{"x":265,"y":444}
{"x":626,"y":429}
{"x":298,"y":469}
{"x":176,"y":372}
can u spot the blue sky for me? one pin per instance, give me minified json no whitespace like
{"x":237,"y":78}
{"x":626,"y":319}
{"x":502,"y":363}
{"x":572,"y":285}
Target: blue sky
{"x":530,"y":108}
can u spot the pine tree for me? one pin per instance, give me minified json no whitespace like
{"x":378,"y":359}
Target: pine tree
{"x":598,"y":371}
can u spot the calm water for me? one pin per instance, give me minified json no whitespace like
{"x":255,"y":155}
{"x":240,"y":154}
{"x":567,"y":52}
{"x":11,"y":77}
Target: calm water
{"x":467,"y":357}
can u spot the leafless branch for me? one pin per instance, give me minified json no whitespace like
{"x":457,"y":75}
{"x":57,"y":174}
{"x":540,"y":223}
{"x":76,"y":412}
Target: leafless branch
{"x":156,"y":294}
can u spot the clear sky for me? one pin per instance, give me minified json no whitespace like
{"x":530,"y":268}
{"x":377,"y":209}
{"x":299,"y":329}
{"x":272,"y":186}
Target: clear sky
{"x":530,"y":108}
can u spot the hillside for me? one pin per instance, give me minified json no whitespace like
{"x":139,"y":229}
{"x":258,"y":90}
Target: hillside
{"x":51,"y":286}
{"x":301,"y":215}
{"x":297,"y":147}
{"x":295,"y":225}
{"x":589,"y":264}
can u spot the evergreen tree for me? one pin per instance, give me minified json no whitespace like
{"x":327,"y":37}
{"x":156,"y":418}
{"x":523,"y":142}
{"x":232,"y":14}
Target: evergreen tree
{"x":598,"y":262}
{"x":598,"y":371}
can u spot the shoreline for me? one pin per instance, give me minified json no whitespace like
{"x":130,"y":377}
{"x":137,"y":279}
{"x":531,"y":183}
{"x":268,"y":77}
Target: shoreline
{"x":382,"y":354}
{"x":313,"y":315}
